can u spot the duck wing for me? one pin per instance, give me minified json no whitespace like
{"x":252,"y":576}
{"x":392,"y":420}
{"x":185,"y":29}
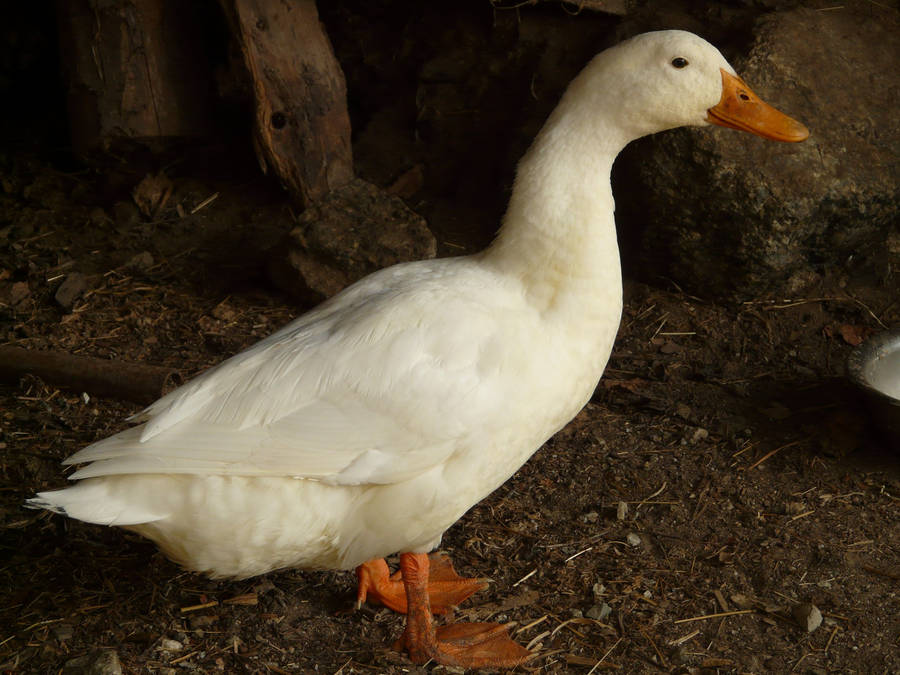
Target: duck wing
{"x":375,"y":386}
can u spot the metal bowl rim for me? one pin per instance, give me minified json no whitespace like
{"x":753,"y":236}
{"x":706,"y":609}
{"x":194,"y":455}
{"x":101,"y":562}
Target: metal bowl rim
{"x":876,"y":347}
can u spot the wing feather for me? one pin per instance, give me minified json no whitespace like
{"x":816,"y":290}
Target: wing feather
{"x":375,"y":386}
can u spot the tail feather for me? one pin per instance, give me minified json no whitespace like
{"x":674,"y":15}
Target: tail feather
{"x":96,"y":501}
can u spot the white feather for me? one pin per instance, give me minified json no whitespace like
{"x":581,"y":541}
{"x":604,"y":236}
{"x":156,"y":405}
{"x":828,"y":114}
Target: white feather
{"x":376,"y":391}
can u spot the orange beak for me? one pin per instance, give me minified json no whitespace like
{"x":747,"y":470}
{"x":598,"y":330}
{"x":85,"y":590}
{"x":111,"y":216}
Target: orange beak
{"x":741,"y":109}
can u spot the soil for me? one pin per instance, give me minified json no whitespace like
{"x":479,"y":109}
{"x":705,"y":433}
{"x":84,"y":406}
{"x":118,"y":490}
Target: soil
{"x":749,"y":475}
{"x":723,"y":475}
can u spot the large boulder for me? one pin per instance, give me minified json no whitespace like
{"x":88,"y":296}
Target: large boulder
{"x":733,"y":215}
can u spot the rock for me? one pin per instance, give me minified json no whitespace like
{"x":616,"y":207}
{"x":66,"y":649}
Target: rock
{"x":733,"y":215}
{"x":102,"y":662}
{"x":350,"y":233}
{"x":224,"y":312}
{"x":169,"y":645}
{"x":700,"y":434}
{"x":152,"y":193}
{"x":669,"y":347}
{"x":203,"y":620}
{"x":264,"y":587}
{"x":409,"y":183}
{"x":807,"y":616}
{"x":679,"y":654}
{"x":598,"y":612}
{"x":621,"y":511}
{"x":18,"y":292}
{"x":141,"y":261}
{"x":99,"y":217}
{"x":70,"y":289}
{"x":633,"y":539}
{"x":63,"y":631}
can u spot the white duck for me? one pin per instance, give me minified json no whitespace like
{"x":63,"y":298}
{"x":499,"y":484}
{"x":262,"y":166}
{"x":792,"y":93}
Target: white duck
{"x":369,"y":425}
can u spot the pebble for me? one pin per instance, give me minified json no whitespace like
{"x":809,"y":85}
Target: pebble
{"x":141,"y":261}
{"x":633,"y":539}
{"x":203,"y":620}
{"x":70,"y":289}
{"x":63,"y":631}
{"x":669,"y":347}
{"x":263,"y":586}
{"x":808,"y":616}
{"x":99,"y":217}
{"x":679,"y":655}
{"x":700,"y":434}
{"x":19,"y":291}
{"x":598,"y":612}
{"x":104,"y":662}
{"x":167,"y":645}
{"x":621,"y":511}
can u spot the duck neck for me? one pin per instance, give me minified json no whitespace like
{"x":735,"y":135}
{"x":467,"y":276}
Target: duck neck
{"x":558,"y":237}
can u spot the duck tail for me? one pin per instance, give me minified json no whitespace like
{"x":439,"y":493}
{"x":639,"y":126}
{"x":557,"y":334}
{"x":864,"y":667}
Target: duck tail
{"x":94,"y":502}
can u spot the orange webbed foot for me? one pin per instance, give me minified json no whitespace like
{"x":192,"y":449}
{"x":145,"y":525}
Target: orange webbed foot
{"x":469,"y":645}
{"x":446,"y":589}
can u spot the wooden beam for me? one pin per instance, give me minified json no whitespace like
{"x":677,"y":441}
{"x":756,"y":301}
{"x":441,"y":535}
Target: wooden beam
{"x":302,"y":125}
{"x":134,"y":69}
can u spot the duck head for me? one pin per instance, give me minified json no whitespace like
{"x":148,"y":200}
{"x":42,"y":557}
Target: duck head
{"x":666,"y":79}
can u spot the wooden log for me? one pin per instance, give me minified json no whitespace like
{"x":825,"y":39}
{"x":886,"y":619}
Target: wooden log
{"x":133,"y":69}
{"x":135,"y":382}
{"x":302,"y":124}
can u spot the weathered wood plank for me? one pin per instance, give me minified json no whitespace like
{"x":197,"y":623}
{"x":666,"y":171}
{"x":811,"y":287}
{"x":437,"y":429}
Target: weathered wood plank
{"x":302,"y":125}
{"x":133,"y":70}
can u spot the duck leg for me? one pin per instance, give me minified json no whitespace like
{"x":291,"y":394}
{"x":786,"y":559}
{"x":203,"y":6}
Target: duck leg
{"x":446,"y":589}
{"x":469,"y":645}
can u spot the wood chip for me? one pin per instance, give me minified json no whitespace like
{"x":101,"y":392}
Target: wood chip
{"x":684,"y":638}
{"x":196,"y":608}
{"x":244,"y":599}
{"x":721,"y":600}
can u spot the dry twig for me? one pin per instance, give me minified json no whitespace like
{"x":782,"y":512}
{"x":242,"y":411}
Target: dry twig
{"x":772,"y":452}
{"x":714,"y":616}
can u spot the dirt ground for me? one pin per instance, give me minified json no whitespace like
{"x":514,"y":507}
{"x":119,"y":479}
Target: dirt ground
{"x":723,"y":475}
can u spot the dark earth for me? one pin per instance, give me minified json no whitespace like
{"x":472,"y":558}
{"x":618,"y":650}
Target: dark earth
{"x":724,"y":475}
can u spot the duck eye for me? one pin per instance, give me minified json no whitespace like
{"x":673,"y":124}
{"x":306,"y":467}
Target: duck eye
{"x":679,"y":62}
